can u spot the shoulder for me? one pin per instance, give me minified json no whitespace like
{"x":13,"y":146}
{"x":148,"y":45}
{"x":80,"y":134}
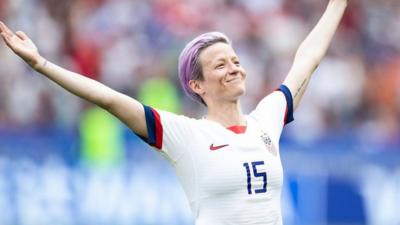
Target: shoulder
{"x":169,"y":120}
{"x":277,"y":104}
{"x":275,"y":99}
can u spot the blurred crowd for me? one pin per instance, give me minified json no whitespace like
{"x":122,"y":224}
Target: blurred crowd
{"x":124,"y":43}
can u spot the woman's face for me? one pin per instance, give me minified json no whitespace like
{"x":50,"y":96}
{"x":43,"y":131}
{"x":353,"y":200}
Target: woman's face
{"x":224,"y":77}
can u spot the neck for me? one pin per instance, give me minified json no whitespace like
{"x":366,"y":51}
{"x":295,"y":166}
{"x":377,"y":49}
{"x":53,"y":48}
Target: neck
{"x":226,"y":114}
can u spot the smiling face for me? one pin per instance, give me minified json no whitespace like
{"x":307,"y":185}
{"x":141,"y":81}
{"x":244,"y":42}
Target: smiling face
{"x":223,"y":76}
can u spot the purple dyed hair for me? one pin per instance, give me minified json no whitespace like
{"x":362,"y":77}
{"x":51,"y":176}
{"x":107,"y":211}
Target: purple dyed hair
{"x":189,"y":60}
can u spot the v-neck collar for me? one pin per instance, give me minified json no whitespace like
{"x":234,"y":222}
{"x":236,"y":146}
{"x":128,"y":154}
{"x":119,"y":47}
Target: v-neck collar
{"x":238,"y":129}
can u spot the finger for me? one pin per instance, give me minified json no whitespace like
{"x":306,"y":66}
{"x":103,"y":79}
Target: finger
{"x":6,"y":39}
{"x":4,"y":36}
{"x":1,"y":27}
{"x":5,"y":29}
{"x":22,"y":35}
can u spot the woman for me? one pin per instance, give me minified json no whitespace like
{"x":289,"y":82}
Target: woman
{"x":228,"y":163}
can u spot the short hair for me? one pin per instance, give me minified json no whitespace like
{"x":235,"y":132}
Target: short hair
{"x":189,"y":61}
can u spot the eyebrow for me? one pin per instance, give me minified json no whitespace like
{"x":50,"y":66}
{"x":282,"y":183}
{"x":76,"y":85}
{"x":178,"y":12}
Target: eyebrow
{"x":223,"y":59}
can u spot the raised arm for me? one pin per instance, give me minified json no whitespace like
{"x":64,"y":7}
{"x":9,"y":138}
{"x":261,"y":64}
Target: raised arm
{"x":313,"y":49}
{"x":127,"y":109}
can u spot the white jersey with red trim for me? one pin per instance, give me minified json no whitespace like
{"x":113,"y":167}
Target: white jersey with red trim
{"x":230,"y":176}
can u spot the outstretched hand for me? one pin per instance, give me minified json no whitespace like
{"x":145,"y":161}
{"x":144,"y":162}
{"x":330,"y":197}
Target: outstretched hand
{"x":20,"y":44}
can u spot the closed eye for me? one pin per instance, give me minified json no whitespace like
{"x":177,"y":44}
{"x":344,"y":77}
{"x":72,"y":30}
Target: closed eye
{"x":219,"y":66}
{"x":235,"y":61}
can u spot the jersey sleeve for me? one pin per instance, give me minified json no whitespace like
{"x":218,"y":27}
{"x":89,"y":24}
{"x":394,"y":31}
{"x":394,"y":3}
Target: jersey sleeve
{"x":274,"y":111}
{"x":167,"y":132}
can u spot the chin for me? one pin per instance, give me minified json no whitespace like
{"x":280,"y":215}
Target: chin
{"x":236,"y":91}
{"x":239,"y":92}
{"x":242,"y":89}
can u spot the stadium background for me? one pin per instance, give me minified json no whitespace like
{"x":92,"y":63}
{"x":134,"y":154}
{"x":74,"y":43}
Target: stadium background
{"x":63,"y":161}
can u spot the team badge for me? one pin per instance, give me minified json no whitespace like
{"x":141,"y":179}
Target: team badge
{"x":266,"y":139}
{"x":268,"y":143}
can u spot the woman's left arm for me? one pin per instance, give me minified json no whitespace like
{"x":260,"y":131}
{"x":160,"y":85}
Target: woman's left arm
{"x":313,"y":49}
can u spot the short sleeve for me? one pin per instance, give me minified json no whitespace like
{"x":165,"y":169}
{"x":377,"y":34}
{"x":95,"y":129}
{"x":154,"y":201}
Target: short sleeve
{"x":274,"y":111}
{"x":167,"y":132}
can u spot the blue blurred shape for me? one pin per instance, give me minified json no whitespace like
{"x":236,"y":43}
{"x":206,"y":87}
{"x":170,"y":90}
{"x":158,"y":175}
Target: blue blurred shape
{"x":344,"y":203}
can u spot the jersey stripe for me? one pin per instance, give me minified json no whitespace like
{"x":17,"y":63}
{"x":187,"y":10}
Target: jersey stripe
{"x":159,"y":129}
{"x":154,"y":127}
{"x":289,"y":101}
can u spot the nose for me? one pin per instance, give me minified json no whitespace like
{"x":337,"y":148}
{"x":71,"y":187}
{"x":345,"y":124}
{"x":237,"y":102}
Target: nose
{"x":233,"y":68}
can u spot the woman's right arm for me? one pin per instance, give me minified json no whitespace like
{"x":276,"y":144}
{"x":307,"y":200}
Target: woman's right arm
{"x":125,"y":108}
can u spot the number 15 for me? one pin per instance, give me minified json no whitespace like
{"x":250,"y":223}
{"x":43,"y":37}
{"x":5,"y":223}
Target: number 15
{"x":256,"y":174}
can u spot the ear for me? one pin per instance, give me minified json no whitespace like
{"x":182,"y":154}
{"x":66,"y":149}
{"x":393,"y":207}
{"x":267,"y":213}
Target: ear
{"x":197,"y":87}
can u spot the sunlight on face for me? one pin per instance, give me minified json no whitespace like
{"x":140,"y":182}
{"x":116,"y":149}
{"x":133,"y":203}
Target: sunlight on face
{"x":224,"y":77}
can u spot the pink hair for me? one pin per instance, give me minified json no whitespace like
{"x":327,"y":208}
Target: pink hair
{"x":189,"y":62}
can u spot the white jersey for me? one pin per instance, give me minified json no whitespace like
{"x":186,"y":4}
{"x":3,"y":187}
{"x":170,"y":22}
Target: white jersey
{"x":230,"y":176}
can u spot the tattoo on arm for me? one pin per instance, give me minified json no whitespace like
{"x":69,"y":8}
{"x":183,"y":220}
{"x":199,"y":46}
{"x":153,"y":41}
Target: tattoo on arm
{"x":45,"y":63}
{"x":299,"y":90}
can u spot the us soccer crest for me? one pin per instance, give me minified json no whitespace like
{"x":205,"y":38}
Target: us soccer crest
{"x":266,"y":139}
{"x":268,"y":143}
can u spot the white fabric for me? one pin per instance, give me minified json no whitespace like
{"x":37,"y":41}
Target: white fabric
{"x":216,"y":182}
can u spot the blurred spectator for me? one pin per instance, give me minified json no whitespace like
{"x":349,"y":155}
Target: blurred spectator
{"x":121,"y":42}
{"x":133,"y":47}
{"x":102,"y":146}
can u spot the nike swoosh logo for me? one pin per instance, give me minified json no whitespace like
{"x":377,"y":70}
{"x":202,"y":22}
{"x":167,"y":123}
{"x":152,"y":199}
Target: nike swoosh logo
{"x":213,"y":148}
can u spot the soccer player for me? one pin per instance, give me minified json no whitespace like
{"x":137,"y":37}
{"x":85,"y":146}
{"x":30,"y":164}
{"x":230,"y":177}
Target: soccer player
{"x":228,"y":163}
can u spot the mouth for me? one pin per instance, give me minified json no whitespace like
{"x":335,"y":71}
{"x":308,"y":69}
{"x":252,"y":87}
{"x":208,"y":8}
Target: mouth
{"x":234,"y":80}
